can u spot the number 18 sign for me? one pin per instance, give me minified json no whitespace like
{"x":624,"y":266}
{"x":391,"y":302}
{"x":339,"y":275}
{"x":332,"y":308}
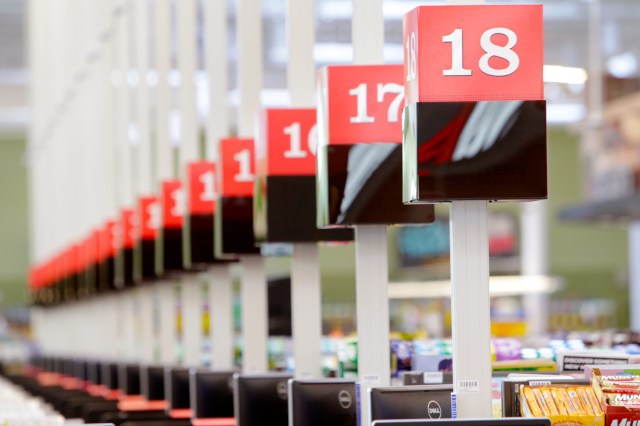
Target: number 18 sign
{"x":473,"y":53}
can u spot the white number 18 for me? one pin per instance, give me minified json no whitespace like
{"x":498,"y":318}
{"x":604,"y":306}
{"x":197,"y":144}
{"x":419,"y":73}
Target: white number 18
{"x":491,"y":50}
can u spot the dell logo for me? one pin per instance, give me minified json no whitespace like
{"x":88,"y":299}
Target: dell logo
{"x":281,"y":388}
{"x":345,"y":400}
{"x":434,"y":410}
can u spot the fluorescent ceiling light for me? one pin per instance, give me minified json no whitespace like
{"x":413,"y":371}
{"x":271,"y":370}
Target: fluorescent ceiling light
{"x":624,"y":65}
{"x":567,"y":75}
{"x":558,"y":113}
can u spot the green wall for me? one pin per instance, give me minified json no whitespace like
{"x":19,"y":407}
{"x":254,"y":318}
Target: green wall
{"x":592,"y":259}
{"x":13,"y":223}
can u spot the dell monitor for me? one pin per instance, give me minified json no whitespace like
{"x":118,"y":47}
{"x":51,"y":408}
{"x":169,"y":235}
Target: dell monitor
{"x":410,"y":402}
{"x":322,"y":402}
{"x":261,"y":400}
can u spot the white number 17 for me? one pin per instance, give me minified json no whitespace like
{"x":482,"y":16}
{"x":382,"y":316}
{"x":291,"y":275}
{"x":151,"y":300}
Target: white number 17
{"x":361,"y":94}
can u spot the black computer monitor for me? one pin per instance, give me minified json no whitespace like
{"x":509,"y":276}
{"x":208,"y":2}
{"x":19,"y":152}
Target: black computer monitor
{"x":261,"y":400}
{"x":94,"y":372}
{"x":322,"y":402}
{"x":508,"y":421}
{"x":152,"y":382}
{"x":110,"y":375}
{"x":129,"y":379}
{"x":176,"y":388}
{"x":211,"y":393}
{"x":410,"y":402}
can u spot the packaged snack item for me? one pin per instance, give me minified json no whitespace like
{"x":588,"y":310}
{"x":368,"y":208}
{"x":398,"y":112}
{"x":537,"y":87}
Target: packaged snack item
{"x":560,"y":403}
{"x":592,"y":407}
{"x":620,"y":378}
{"x":620,"y":384}
{"x":621,"y":397}
{"x":619,"y":389}
{"x":595,"y":402}
{"x":631,"y":405}
{"x":575,"y":400}
{"x":537,"y":392}
{"x":553,"y":410}
{"x":532,"y":403}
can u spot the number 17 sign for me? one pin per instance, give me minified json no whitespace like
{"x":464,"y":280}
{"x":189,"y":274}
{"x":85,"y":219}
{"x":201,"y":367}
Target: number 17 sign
{"x":473,"y":53}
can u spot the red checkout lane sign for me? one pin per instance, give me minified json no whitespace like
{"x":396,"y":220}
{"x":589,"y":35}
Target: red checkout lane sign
{"x":173,"y":203}
{"x":473,"y":53}
{"x":238,"y":167}
{"x":203,"y":187}
{"x":129,"y":226}
{"x":287,"y":142}
{"x":149,"y":214}
{"x":361,"y":104}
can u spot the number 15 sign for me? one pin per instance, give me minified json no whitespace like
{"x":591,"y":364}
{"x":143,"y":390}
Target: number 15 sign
{"x":473,"y":53}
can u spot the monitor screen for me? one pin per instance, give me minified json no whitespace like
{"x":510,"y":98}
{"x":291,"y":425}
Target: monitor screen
{"x":261,"y":400}
{"x":94,"y":372}
{"x":510,"y":421}
{"x":411,"y":402}
{"x":129,"y":379}
{"x":110,"y":375}
{"x":176,"y":382}
{"x":211,"y":393}
{"x":322,"y":402}
{"x":152,"y":382}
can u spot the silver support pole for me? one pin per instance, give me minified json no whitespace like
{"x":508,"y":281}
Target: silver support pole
{"x":219,"y":282}
{"x":254,"y":281}
{"x":372,"y":302}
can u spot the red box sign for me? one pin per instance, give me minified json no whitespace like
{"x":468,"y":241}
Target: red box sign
{"x":109,"y":237}
{"x":238,"y":167}
{"x":203,"y":190}
{"x":94,"y":247}
{"x":473,"y":53}
{"x":287,"y":143}
{"x":173,"y":204}
{"x":149,"y":214}
{"x":129,"y":224}
{"x":361,"y":104}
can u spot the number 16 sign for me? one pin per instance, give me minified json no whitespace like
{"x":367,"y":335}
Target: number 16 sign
{"x":473,"y":53}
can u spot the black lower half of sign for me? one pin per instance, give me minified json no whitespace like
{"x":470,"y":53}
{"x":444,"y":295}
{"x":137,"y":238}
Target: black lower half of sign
{"x":147,"y":249}
{"x":285,"y":211}
{"x":234,"y":227}
{"x":474,"y":151}
{"x":171,"y":243}
{"x":201,"y":239}
{"x":361,"y":184}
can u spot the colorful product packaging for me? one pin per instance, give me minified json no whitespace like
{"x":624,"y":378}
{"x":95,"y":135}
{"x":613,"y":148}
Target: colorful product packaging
{"x":619,"y":392}
{"x":562,"y":404}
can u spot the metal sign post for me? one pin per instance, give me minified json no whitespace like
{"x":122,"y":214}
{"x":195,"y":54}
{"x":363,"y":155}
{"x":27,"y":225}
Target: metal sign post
{"x":219,"y":279}
{"x":306,"y":291}
{"x":372,"y":274}
{"x":445,"y":73}
{"x":254,"y":281}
